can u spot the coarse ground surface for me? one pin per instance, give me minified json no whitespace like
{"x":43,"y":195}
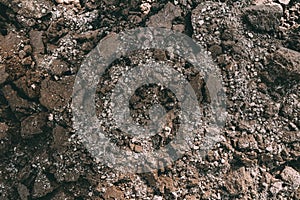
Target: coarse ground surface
{"x":255,"y":44}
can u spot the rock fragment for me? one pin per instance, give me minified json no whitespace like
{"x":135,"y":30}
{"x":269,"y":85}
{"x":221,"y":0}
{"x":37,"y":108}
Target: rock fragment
{"x":156,"y":197}
{"x":16,"y":103}
{"x":9,"y":43}
{"x":276,"y":187}
{"x":29,"y":8}
{"x":42,"y":186}
{"x":3,"y":130}
{"x":3,"y":74}
{"x":23,"y":191}
{"x":60,"y":137}
{"x":4,"y":138}
{"x":291,"y":175}
{"x":58,"y":67}
{"x":293,"y":39}
{"x":67,"y":175}
{"x":27,"y":61}
{"x":215,"y":50}
{"x":297,"y":194}
{"x":238,"y":181}
{"x":30,"y":90}
{"x":36,"y":40}
{"x":164,"y":183}
{"x":33,"y":125}
{"x":197,"y":83}
{"x":164,"y":18}
{"x":193,"y":197}
{"x":178,"y":27}
{"x":56,"y":94}
{"x":247,"y":142}
{"x":264,"y":17}
{"x":259,"y":2}
{"x":285,"y":2}
{"x":290,"y":136}
{"x":145,"y":8}
{"x":136,"y":148}
{"x":62,"y":196}
{"x":113,"y":193}
{"x":288,"y":62}
{"x":134,"y":19}
{"x":76,"y":2}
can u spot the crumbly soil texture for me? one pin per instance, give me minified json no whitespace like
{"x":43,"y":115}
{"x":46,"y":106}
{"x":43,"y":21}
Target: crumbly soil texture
{"x":254,"y":43}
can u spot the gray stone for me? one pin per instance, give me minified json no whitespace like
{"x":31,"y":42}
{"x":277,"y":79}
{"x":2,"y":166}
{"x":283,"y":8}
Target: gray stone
{"x":164,"y":18}
{"x":264,"y":17}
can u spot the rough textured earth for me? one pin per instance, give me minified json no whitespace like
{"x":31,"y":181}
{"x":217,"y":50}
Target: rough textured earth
{"x":256,"y":44}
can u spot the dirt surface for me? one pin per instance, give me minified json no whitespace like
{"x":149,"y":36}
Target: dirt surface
{"x":255,"y":44}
